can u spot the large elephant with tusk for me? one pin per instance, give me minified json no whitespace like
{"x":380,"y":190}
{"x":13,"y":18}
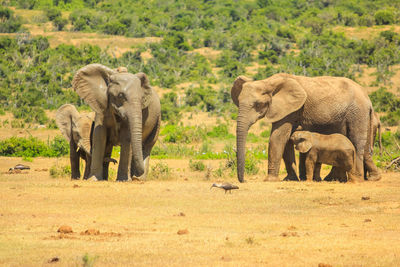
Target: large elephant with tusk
{"x":321,"y":104}
{"x":127,"y":113}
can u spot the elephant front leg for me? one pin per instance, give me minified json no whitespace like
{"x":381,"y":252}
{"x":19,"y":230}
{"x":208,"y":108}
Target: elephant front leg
{"x":98,"y":150}
{"x":310,"y":165}
{"x":125,"y":155}
{"x":317,"y":172}
{"x":280,"y":134}
{"x":302,"y":166}
{"x":290,"y":162}
{"x":87,"y":166}
{"x":106,"y":163}
{"x":74,"y":159}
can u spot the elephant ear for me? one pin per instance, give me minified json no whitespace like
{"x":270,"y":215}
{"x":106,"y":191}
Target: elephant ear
{"x":66,"y":117}
{"x":85,"y":128}
{"x":304,"y":146}
{"x":91,"y":83}
{"x":287,"y":96}
{"x":147,"y":91}
{"x":237,"y":88}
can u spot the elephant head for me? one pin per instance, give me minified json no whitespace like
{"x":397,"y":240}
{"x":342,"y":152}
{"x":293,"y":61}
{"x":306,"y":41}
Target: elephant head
{"x":125,"y":94}
{"x":273,"y":98}
{"x":75,"y":128}
{"x":302,"y":141}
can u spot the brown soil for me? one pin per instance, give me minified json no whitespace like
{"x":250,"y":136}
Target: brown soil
{"x":262,"y":223}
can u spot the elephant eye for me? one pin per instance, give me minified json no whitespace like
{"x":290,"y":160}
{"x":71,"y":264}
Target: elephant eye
{"x":259,"y":105}
{"x":121,"y":95}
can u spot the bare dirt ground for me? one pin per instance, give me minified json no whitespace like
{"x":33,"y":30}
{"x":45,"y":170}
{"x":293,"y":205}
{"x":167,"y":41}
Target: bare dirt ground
{"x":181,"y":221}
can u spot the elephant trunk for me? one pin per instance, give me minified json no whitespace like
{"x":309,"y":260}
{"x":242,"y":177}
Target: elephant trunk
{"x":241,"y":134}
{"x":135,"y":126}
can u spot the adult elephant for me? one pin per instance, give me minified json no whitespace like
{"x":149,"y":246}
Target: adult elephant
{"x":128,"y":114}
{"x":320,"y":104}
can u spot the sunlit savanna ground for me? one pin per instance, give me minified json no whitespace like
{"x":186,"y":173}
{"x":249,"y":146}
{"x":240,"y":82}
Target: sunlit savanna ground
{"x":262,"y":223}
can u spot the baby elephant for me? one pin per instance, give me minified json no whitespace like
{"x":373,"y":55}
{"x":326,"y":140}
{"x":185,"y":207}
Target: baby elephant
{"x":333,"y":149}
{"x":77,"y":129}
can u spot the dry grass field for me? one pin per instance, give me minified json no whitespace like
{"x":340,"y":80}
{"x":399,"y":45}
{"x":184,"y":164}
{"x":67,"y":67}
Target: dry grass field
{"x":180,"y":221}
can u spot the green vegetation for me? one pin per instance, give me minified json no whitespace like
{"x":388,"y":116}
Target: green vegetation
{"x":32,"y":147}
{"x":256,"y":38}
{"x":197,"y":166}
{"x":58,"y":171}
{"x":160,"y":171}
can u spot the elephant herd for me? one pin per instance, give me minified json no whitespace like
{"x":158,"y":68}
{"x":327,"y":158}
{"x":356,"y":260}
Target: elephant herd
{"x":329,"y":120}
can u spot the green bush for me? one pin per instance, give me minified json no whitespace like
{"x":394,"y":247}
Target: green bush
{"x":182,"y":134}
{"x":8,"y":22}
{"x":53,"y":13}
{"x":58,"y":171}
{"x":220,"y":131}
{"x":170,"y":111}
{"x":250,"y":165}
{"x":384,"y":101}
{"x":197,"y":166}
{"x":59,"y":23}
{"x":384,"y":17}
{"x":33,"y":147}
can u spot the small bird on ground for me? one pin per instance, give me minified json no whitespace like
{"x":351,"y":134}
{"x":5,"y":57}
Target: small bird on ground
{"x":225,"y":186}
{"x":20,"y":167}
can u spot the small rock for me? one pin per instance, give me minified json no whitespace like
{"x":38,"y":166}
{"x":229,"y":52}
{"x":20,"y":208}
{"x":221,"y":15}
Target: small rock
{"x":291,"y":228}
{"x":76,"y":186}
{"x":286,"y":234}
{"x":365,"y":198}
{"x":367,"y":220}
{"x":324,"y":265}
{"x":65,"y":229}
{"x":55,"y":259}
{"x":183,"y":232}
{"x":91,"y":232}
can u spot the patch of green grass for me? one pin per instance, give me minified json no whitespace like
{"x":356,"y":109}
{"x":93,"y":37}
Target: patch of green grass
{"x":59,"y":171}
{"x":197,"y":166}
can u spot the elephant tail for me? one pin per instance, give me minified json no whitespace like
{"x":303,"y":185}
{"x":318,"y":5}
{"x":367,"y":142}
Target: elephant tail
{"x":380,"y":138}
{"x":370,"y":138}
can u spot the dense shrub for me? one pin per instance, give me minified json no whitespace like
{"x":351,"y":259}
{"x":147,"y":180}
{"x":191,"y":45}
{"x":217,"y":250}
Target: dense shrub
{"x":33,"y":147}
{"x":53,"y":13}
{"x":170,"y":111}
{"x":8,"y":22}
{"x":384,"y":17}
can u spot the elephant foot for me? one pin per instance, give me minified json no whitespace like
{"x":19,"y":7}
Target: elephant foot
{"x":317,"y":179}
{"x":123,"y":179}
{"x":374,"y":177}
{"x":93,"y":179}
{"x":291,"y":178}
{"x":355,"y":179}
{"x":272,"y":178}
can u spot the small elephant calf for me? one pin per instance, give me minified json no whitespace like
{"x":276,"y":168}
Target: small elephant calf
{"x":333,"y":149}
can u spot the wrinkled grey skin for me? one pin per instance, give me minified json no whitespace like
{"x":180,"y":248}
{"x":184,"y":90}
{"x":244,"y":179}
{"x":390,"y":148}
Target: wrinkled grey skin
{"x":332,"y":149}
{"x":128,"y":114}
{"x":76,"y":129}
{"x":337,"y":174}
{"x":321,"y":104}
